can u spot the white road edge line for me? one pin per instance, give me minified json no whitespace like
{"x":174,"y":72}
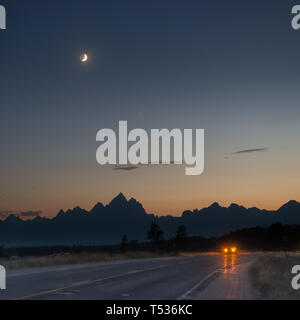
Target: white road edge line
{"x":195,"y":287}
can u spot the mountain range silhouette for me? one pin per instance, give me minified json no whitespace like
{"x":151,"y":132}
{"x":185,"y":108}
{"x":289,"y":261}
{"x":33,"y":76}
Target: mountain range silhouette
{"x":105,"y":224}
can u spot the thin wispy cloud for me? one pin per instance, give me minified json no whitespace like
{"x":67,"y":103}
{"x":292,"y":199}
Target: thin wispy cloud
{"x":126,"y":168}
{"x":24,"y":214}
{"x":247,"y":151}
{"x":30,"y":213}
{"x":132,"y":167}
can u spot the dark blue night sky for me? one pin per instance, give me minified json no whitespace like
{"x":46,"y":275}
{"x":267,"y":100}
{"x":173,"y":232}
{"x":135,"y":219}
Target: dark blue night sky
{"x":230,"y":67}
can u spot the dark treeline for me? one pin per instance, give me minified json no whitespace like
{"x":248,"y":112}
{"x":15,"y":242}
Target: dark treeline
{"x":277,"y":237}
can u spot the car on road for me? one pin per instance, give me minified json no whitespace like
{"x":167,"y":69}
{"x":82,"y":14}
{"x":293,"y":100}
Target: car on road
{"x":230,"y":250}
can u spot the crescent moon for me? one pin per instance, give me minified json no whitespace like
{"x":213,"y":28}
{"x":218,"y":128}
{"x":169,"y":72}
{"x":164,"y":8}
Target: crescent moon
{"x":84,"y":57}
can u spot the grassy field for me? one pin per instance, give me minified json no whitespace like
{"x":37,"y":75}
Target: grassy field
{"x":74,"y":258}
{"x":272,"y":276}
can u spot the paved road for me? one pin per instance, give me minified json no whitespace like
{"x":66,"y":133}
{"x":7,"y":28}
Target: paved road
{"x":145,"y":279}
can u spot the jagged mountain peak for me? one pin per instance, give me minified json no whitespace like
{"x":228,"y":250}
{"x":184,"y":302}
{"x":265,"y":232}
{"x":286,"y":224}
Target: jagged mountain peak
{"x":99,"y":206}
{"x":215,"y":205}
{"x":119,"y":200}
{"x":12,"y":218}
{"x":291,"y":205}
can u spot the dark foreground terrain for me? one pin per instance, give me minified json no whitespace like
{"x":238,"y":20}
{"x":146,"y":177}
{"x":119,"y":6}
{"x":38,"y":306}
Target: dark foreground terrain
{"x":272,"y":276}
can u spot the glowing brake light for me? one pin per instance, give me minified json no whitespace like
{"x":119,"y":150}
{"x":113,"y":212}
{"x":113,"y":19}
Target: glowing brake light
{"x":226,"y":250}
{"x":233,"y":250}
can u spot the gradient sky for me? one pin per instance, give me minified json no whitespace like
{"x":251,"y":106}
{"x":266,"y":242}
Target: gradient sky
{"x":228,"y":66}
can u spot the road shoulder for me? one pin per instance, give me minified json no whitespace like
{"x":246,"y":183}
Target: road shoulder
{"x":230,"y":283}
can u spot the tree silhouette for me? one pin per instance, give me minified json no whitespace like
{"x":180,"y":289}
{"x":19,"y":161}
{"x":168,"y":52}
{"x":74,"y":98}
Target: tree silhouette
{"x":181,"y":238}
{"x":156,"y":235}
{"x":124,"y":243}
{"x":133,"y":245}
